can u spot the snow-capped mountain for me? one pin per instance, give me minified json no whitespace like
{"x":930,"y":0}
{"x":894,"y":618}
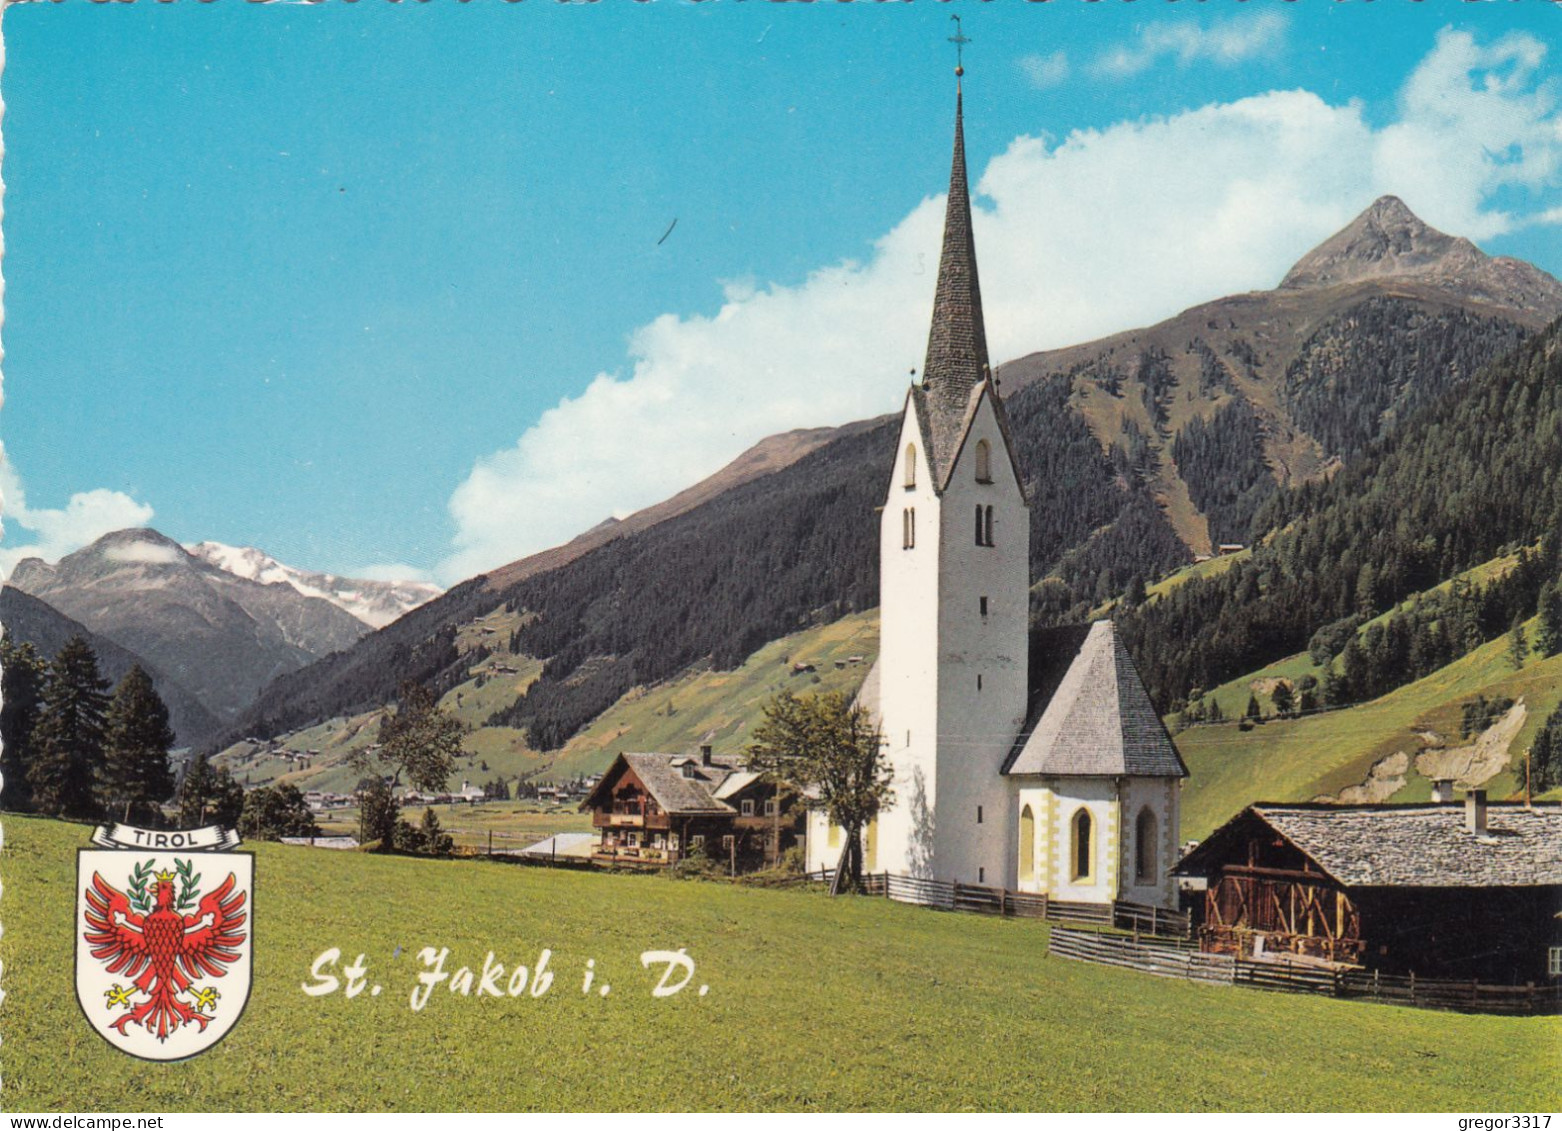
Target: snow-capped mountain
{"x":375,"y":603}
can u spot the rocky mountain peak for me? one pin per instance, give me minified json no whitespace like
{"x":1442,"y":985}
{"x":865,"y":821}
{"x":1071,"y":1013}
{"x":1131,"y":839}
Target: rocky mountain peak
{"x":1389,"y":241}
{"x":1386,"y":240}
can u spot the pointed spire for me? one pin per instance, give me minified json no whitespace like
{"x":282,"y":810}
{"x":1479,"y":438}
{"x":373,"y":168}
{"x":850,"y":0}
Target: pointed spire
{"x":957,"y":340}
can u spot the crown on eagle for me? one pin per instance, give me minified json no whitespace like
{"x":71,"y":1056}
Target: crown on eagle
{"x":165,"y":877}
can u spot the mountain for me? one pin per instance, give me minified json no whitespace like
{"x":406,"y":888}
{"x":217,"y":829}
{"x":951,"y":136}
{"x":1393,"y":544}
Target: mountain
{"x":376,"y":603}
{"x":220,"y":636}
{"x":28,"y":620}
{"x":1141,"y":451}
{"x":1390,"y":241}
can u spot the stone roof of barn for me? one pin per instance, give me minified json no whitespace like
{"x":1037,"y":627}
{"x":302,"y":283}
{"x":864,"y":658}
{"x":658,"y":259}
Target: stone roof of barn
{"x":1409,"y":845}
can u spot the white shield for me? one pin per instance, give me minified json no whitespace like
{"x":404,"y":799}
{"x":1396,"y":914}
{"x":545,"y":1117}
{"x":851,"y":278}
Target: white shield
{"x":164,"y":942}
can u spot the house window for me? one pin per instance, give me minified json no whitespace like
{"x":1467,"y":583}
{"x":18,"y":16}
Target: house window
{"x":908,"y":528}
{"x":770,"y":807}
{"x":726,"y":843}
{"x":982,"y":604}
{"x":1027,"y":844}
{"x":748,"y":808}
{"x":1144,"y":847}
{"x":697,"y":841}
{"x":911,"y":466}
{"x":672,"y":841}
{"x":688,"y":769}
{"x":978,"y":814}
{"x":984,"y":462}
{"x":1083,"y":854}
{"x":1554,"y":962}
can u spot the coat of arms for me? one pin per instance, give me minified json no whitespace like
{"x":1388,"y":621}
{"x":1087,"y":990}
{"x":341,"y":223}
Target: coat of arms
{"x":164,"y":938}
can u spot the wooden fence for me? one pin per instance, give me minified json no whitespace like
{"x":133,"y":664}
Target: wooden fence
{"x":1173,"y":958}
{"x":982,"y":899}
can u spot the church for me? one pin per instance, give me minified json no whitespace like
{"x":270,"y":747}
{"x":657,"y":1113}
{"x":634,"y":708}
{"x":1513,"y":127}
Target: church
{"x":1032,"y":761}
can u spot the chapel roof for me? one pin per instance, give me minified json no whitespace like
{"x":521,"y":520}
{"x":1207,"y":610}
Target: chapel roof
{"x":1089,"y":714}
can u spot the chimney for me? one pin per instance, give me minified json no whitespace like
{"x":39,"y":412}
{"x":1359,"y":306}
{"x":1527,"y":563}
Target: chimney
{"x":1475,"y":812}
{"x":1442,"y":791}
{"x":705,"y":755}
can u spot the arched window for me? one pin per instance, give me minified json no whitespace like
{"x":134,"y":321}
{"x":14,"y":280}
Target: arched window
{"x":911,"y":466}
{"x":984,"y":462}
{"x":1027,"y":844}
{"x":908,"y":528}
{"x":1084,"y":848}
{"x":1144,"y":847}
{"x":988,"y":527}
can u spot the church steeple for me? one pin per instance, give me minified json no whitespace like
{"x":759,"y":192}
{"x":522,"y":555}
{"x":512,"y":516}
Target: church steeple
{"x":957,"y":341}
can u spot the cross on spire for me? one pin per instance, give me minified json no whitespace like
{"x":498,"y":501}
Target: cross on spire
{"x":959,"y":40}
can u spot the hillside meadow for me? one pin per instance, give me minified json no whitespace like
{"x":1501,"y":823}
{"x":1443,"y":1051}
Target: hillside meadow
{"x":813,"y":1003}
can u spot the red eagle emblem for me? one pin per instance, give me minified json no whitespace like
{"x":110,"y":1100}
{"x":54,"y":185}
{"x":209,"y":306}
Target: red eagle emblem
{"x":163,"y":951}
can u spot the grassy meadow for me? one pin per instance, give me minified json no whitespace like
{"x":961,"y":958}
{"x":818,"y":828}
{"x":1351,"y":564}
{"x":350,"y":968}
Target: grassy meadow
{"x":813,"y":1003}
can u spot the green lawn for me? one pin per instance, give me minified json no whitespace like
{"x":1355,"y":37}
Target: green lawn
{"x":814,"y":1004}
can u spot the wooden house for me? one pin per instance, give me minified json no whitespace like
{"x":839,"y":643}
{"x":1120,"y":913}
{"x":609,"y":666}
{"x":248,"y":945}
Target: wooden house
{"x":657,"y":809}
{"x":1440,"y":890}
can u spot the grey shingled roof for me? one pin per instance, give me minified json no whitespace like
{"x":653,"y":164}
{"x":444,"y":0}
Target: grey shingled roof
{"x":1418,"y":845}
{"x":666,"y":783}
{"x":1099,"y":722}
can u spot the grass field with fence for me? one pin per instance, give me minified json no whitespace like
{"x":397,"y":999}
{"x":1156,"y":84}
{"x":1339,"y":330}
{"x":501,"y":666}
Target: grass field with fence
{"x":814,"y":1003}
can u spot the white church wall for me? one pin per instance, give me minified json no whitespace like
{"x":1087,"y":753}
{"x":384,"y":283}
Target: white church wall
{"x":1161,"y":798}
{"x":908,"y":657}
{"x":1098,"y":797}
{"x":981,"y":675}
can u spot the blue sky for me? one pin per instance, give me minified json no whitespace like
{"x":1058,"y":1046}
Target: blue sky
{"x":378,"y":287}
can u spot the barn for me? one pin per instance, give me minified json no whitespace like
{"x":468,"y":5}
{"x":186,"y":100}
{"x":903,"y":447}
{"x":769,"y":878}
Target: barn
{"x":1440,"y":891}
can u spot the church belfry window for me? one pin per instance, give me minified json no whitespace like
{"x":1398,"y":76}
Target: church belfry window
{"x":984,"y":525}
{"x":1083,"y":846}
{"x":911,"y":466}
{"x":908,"y":528}
{"x":984,"y":462}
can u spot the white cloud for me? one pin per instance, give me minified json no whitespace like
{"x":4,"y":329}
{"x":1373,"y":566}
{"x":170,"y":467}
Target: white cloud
{"x":1045,"y":71}
{"x":1224,"y":43}
{"x":1105,"y":230}
{"x":87,"y":516}
{"x":143,"y":553}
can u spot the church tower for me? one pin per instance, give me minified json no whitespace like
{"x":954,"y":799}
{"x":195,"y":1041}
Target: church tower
{"x":954,"y":592}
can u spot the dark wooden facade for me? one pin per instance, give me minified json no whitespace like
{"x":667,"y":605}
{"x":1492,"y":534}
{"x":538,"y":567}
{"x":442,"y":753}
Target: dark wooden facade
{"x":1268,"y":897}
{"x":1411,"y":902}
{"x":645,"y":822}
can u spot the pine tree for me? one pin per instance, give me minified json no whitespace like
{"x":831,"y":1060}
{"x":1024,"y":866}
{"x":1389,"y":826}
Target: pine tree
{"x":136,"y":778}
{"x":209,"y":795}
{"x":67,"y":754}
{"x":23,"y":676}
{"x":1548,"y":637}
{"x":1282,"y":698}
{"x":1518,"y":644}
{"x":1253,"y":710}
